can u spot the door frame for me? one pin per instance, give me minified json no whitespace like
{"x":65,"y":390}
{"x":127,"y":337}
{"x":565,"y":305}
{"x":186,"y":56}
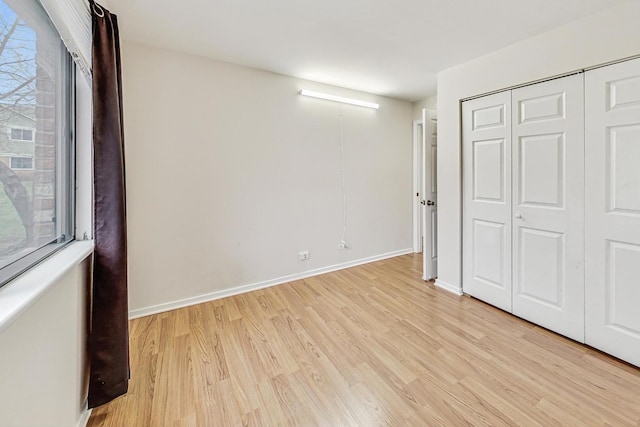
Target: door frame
{"x":416,"y":195}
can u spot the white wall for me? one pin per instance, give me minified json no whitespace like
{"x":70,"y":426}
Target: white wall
{"x":230,"y":173}
{"x":603,"y":37}
{"x":42,"y":366}
{"x":429,"y":103}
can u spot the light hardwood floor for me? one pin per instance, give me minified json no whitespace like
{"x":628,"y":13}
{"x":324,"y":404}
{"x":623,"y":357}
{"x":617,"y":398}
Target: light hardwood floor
{"x":369,"y":346}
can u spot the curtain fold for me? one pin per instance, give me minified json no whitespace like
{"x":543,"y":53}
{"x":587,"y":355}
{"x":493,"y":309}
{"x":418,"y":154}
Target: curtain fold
{"x":109,"y":329}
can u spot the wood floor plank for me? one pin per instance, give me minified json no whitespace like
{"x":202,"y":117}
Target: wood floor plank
{"x":368,"y":346}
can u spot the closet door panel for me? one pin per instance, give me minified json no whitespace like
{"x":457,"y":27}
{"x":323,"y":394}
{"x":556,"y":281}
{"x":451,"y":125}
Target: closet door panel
{"x":487,"y":199}
{"x":613,"y":210}
{"x":548,"y":204}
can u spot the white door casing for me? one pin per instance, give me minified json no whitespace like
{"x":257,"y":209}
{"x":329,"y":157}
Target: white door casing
{"x":547,"y":131}
{"x":486,"y":227}
{"x":430,"y":194}
{"x":613,"y":210}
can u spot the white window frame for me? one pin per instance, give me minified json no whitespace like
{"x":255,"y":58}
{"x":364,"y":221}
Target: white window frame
{"x":20,"y":157}
{"x":23,"y":261}
{"x":12,"y":128}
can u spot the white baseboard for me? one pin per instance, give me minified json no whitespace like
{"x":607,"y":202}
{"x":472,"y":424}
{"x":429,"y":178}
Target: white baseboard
{"x":141,"y":312}
{"x":447,"y":287}
{"x":84,"y":418}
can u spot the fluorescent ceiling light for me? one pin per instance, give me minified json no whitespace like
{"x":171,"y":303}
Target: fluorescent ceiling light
{"x":339,"y":99}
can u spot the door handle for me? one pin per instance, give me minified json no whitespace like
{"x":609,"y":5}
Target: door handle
{"x":519,"y":216}
{"x":430,"y":203}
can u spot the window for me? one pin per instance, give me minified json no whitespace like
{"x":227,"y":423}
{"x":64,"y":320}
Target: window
{"x":19,"y":134}
{"x":36,"y":104}
{"x":21,"y":163}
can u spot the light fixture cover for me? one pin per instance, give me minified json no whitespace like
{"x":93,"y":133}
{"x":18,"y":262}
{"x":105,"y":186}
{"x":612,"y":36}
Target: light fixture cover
{"x":337,"y":98}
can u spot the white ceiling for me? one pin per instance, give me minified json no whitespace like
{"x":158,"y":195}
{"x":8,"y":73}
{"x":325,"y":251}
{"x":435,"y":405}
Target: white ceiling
{"x":387,"y":47}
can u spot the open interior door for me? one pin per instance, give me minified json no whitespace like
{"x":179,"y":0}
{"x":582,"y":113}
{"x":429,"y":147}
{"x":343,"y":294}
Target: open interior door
{"x":429,"y":192}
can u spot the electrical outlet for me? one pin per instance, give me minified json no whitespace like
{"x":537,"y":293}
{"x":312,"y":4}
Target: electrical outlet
{"x":304,"y":255}
{"x":343,"y":245}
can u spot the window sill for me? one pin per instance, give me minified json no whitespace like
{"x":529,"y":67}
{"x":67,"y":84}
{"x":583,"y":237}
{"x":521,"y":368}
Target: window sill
{"x":23,"y":291}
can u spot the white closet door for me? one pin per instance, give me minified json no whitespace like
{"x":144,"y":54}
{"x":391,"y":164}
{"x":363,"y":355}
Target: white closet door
{"x":548,"y":204}
{"x":613,"y":209}
{"x":487,"y":199}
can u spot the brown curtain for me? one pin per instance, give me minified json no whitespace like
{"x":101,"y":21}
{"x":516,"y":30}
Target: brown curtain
{"x":109,"y":330}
